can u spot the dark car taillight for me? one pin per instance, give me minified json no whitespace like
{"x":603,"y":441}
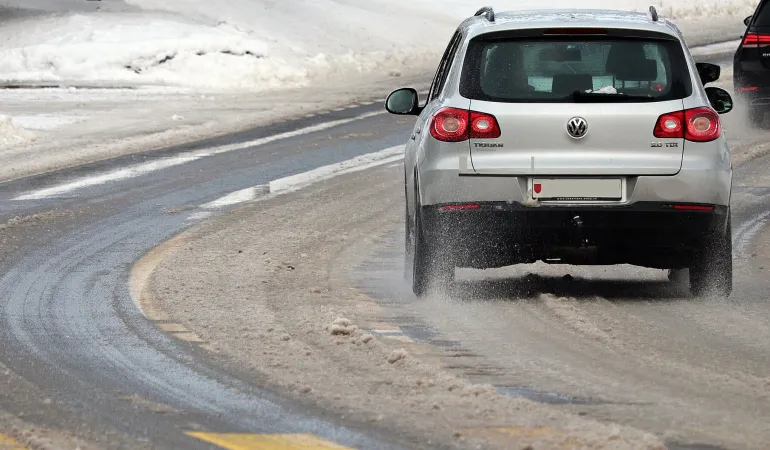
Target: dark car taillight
{"x":696,"y":125}
{"x":755,"y":40}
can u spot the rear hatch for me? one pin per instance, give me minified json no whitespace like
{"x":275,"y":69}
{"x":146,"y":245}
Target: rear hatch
{"x":754,"y":53}
{"x":576,"y":103}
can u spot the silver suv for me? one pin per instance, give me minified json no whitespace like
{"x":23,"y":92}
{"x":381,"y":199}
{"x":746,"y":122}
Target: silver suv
{"x":571,"y":137}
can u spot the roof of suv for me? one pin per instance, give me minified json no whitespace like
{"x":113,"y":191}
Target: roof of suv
{"x":555,"y":18}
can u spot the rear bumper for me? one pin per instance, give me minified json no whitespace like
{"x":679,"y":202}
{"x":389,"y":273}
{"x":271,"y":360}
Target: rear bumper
{"x":699,"y":181}
{"x":648,"y":234}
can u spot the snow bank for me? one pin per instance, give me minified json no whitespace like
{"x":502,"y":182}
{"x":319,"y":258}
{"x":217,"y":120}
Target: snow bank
{"x":259,"y":45}
{"x":138,"y":48}
{"x":12,"y":134}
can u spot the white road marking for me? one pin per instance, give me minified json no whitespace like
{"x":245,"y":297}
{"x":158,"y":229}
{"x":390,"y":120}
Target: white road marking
{"x":362,"y":162}
{"x":115,"y":175}
{"x":244,"y":195}
{"x":301,"y":180}
{"x":153,"y":166}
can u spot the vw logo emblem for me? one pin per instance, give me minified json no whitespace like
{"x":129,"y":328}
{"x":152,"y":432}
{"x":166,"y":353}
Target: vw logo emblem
{"x":577,"y":127}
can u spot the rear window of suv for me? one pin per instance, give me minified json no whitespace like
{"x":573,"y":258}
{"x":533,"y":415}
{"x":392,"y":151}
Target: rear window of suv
{"x":762,"y":16}
{"x":575,"y":69}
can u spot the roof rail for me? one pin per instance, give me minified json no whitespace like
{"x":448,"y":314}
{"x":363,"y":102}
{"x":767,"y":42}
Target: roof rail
{"x":487,"y":12}
{"x":653,"y":13}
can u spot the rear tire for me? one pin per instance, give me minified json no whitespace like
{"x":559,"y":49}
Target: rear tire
{"x":430,"y":269}
{"x":712,"y":270}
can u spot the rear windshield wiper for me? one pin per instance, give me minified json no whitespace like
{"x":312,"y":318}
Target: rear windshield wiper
{"x":604,"y":97}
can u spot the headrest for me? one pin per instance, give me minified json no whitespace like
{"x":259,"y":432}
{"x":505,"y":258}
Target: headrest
{"x":624,"y":53}
{"x":504,"y":72}
{"x":567,"y":83}
{"x":628,"y":62}
{"x":643,"y":70}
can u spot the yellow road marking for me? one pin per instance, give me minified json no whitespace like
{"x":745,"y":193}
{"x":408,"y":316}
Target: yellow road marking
{"x":10,"y":443}
{"x":232,"y":441}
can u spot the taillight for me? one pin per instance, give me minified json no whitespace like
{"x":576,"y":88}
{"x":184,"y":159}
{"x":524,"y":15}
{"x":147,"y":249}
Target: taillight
{"x":754,"y":40}
{"x":450,"y":125}
{"x":456,"y":125}
{"x":696,"y":125}
{"x":694,"y":207}
{"x":670,"y":125}
{"x":703,"y":125}
{"x":484,"y":126}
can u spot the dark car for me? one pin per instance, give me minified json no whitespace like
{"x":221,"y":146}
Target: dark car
{"x":751,"y":65}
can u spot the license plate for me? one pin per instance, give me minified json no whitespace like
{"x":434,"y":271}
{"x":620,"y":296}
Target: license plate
{"x":570,"y":189}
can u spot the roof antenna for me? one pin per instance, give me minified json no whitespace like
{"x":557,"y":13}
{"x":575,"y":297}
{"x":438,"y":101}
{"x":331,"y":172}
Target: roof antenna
{"x":487,"y":12}
{"x":653,"y":13}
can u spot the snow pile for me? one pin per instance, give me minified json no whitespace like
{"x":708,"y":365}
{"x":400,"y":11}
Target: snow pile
{"x":138,"y":48}
{"x":259,"y":45}
{"x":12,"y":134}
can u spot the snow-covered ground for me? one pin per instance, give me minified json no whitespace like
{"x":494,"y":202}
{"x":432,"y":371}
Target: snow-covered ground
{"x":187,"y":69}
{"x":258,"y":45}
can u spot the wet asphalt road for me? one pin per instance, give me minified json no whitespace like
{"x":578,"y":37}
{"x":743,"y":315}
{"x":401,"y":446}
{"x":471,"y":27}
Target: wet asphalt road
{"x":69,"y":326}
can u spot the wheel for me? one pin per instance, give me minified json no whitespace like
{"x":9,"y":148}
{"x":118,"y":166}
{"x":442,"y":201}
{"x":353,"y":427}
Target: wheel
{"x":756,"y":117}
{"x":712,"y":270}
{"x":430,"y":268}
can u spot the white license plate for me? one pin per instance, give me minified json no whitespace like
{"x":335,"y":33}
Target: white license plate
{"x":571,"y":189}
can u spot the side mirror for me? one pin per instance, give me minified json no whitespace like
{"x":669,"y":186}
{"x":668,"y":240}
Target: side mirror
{"x":403,"y":101}
{"x":708,"y":72}
{"x":720,"y":99}
{"x":747,"y":20}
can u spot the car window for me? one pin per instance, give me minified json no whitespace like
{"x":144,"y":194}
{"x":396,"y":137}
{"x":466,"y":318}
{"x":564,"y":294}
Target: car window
{"x":762,"y":14}
{"x":444,"y":66}
{"x":537,"y":70}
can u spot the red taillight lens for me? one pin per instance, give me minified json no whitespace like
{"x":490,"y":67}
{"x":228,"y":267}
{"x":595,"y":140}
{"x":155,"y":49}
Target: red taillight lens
{"x":670,"y":125}
{"x":703,"y":125}
{"x":450,"y":125}
{"x":484,"y":126}
{"x":754,"y":40}
{"x":697,"y":125}
{"x":693,"y":208}
{"x":456,"y":125}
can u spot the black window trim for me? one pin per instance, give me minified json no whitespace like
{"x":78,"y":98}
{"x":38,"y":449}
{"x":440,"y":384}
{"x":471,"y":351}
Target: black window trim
{"x":443,"y":69}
